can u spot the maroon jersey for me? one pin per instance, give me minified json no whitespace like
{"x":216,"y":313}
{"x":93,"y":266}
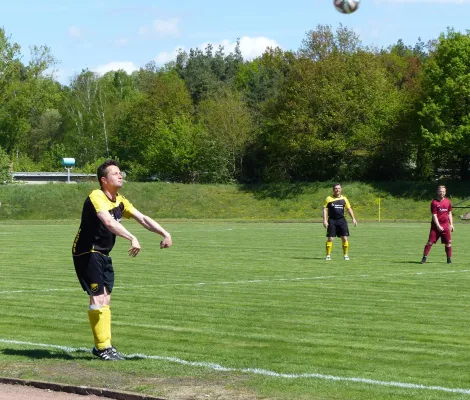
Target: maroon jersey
{"x":441,"y":208}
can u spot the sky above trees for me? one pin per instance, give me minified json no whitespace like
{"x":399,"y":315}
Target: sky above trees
{"x":103,"y":35}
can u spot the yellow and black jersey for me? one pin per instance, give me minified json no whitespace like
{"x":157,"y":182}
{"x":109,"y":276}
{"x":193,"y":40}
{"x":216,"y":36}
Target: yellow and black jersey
{"x":336,"y":206}
{"x":92,"y":234}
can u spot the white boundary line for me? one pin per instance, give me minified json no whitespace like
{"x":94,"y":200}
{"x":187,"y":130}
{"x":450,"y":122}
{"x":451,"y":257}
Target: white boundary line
{"x":256,"y":371}
{"x":242,"y":282}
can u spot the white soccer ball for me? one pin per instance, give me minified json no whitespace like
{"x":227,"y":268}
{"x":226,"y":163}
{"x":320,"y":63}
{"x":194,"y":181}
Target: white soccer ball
{"x":346,"y":6}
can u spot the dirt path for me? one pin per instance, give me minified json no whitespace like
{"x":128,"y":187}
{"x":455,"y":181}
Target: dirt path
{"x":20,"y":392}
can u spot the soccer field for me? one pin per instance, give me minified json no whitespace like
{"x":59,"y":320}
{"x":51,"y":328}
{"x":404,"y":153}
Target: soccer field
{"x":249,"y":307}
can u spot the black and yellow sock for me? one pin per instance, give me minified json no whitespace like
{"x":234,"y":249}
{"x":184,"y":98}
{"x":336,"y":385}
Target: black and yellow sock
{"x":329,"y":247}
{"x":100,"y":328}
{"x":345,"y":248}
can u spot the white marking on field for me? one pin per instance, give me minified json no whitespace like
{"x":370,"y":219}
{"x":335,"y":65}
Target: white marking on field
{"x":243,"y":282}
{"x":34,"y":290}
{"x":67,"y":349}
{"x":257,"y":371}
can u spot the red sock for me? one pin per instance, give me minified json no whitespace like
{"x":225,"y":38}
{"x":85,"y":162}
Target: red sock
{"x":427,"y":249}
{"x":449,"y":251}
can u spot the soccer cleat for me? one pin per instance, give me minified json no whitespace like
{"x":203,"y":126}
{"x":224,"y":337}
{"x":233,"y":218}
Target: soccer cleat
{"x":423,"y":261}
{"x":328,"y":258}
{"x":346,"y":258}
{"x":105,"y":354}
{"x":116,"y":353}
{"x":449,"y":260}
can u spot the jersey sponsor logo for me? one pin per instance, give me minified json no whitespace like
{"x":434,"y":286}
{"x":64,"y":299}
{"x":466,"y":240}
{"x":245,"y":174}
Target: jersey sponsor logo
{"x":116,"y":213}
{"x":94,"y":287}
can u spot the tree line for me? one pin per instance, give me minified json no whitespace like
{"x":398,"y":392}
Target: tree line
{"x":333,"y":109}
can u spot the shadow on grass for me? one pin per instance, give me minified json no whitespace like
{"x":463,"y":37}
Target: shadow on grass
{"x":399,"y":189}
{"x":408,"y":262}
{"x":41,"y":354}
{"x":422,"y":190}
{"x":282,"y":191}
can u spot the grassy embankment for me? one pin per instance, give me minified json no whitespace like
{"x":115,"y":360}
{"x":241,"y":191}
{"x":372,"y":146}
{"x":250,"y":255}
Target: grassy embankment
{"x":289,"y":202}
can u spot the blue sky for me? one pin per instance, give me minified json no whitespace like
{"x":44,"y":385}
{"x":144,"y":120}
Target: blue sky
{"x":102,"y":35}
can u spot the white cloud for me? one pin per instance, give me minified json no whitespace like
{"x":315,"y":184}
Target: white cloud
{"x":249,"y":47}
{"x":127,"y":66}
{"x":161,"y":28}
{"x":121,"y":42}
{"x":76,"y":32}
{"x":254,"y":47}
{"x":60,"y":74}
{"x":164,"y":56}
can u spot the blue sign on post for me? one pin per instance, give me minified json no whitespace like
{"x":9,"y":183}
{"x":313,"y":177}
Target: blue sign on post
{"x":68,"y":162}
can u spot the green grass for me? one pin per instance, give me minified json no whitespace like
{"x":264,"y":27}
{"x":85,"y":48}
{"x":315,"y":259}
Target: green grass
{"x":245,"y":296}
{"x":405,"y":201}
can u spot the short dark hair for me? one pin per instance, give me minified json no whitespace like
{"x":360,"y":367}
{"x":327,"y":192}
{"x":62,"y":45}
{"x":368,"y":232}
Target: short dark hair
{"x":336,"y":184}
{"x":101,"y":171}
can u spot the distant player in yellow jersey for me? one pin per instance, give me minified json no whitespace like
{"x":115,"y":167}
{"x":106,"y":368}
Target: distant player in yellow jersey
{"x":101,"y":223}
{"x":335,"y":222}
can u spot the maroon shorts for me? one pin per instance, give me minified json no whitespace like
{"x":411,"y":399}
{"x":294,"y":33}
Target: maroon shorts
{"x":435,"y":234}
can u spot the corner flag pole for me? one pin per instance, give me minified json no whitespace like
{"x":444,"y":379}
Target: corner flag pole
{"x":377,"y":201}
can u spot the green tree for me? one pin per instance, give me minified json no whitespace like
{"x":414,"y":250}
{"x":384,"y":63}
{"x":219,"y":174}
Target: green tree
{"x":445,"y":114}
{"x":5,"y":162}
{"x":150,"y":115}
{"x":206,"y":71}
{"x":333,"y":109}
{"x":228,"y":121}
{"x":27,"y":92}
{"x":92,"y":108}
{"x":13,"y":120}
{"x":401,"y":148}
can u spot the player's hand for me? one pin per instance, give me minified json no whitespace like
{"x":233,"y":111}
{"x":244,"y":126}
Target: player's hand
{"x":325,"y":224}
{"x":441,"y":229}
{"x":165,"y":243}
{"x":135,"y":247}
{"x":354,"y":222}
{"x":452,"y":228}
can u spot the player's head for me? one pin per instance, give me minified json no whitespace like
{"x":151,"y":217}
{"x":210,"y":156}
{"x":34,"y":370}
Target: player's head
{"x":109,"y":174}
{"x":441,"y":191}
{"x":337,"y":189}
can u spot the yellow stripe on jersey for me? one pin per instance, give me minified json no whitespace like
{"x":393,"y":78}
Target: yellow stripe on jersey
{"x":336,"y":206}
{"x":331,"y":199}
{"x":101,"y":202}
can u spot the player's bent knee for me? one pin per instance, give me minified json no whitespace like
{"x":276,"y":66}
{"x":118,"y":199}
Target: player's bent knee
{"x":99,"y":301}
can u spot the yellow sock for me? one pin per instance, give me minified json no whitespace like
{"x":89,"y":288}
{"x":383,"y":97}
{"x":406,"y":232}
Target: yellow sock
{"x":99,"y":328}
{"x":345,"y":248}
{"x":329,"y":247}
{"x":107,"y":322}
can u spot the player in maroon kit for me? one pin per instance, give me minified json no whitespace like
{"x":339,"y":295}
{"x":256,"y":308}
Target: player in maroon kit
{"x":441,"y":224}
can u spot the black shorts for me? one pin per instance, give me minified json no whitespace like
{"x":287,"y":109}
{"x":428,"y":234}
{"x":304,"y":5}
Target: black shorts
{"x":95,"y":272}
{"x":337,"y":227}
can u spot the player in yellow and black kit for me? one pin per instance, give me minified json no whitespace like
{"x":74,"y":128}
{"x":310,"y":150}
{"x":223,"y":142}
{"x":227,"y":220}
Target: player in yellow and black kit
{"x":335,"y":222}
{"x":102,"y":213}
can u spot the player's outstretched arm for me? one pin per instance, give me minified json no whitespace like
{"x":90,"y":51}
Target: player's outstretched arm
{"x":153,"y":226}
{"x":116,"y":228}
